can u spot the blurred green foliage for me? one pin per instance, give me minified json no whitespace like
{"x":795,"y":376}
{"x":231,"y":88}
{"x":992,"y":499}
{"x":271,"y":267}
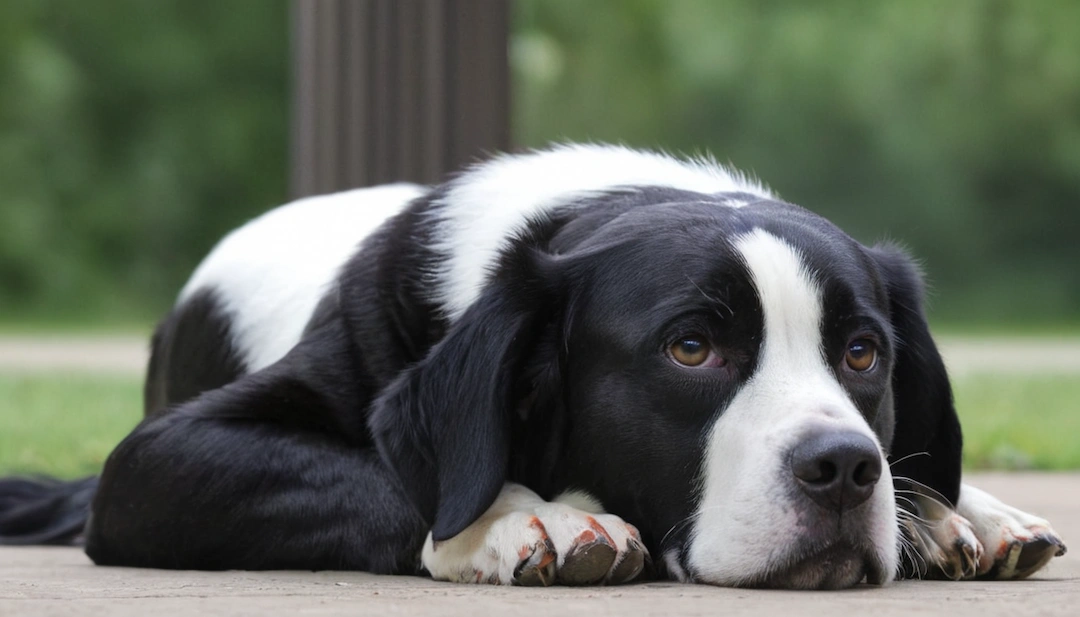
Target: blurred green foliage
{"x":133,"y":134}
{"x":951,"y":127}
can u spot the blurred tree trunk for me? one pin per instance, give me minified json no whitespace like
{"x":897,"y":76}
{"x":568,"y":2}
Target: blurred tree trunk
{"x":389,"y":90}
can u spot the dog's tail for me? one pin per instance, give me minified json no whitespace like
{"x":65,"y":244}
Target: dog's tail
{"x":44,"y":510}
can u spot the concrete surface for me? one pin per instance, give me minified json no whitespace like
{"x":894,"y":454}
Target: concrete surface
{"x":104,"y":354}
{"x":1024,"y":355}
{"x":61,"y":581}
{"x":127,"y":354}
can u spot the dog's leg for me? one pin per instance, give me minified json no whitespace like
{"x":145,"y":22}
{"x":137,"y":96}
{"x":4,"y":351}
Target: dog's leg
{"x":524,"y":540}
{"x":271,"y":471}
{"x":981,"y":538}
{"x":194,"y":492}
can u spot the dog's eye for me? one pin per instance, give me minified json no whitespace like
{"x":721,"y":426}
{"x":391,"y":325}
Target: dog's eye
{"x":861,"y":355}
{"x":694,"y":351}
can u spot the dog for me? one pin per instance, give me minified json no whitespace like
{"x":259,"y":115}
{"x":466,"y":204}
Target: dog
{"x":581,"y":365}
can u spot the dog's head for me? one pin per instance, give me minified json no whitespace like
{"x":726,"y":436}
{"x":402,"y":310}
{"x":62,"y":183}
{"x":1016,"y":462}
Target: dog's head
{"x":728,"y":379}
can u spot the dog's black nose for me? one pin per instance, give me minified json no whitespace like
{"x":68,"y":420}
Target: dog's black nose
{"x":837,"y":470}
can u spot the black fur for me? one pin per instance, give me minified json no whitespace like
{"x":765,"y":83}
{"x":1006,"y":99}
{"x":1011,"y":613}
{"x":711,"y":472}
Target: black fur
{"x":928,"y":442}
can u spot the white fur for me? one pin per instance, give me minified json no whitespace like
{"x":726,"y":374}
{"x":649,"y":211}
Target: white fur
{"x":494,"y":201}
{"x":580,"y":500}
{"x":521,"y":526}
{"x":744,"y":525}
{"x":271,"y":273}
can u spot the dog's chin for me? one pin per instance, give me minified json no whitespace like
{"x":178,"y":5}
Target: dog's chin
{"x":836,"y":567}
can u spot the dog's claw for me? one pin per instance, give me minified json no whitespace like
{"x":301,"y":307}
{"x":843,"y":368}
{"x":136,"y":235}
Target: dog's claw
{"x":538,"y":570}
{"x":969,"y":559}
{"x":963,"y":564}
{"x":631,"y":566}
{"x":1022,"y":558}
{"x":588,"y":563}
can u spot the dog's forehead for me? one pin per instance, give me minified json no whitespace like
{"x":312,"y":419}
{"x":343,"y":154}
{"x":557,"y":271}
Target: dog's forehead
{"x":655,"y":258}
{"x":685,"y":249}
{"x":827,"y":253}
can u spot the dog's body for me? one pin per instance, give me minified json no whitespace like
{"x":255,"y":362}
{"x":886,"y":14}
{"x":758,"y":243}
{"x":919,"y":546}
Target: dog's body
{"x":549,"y":369}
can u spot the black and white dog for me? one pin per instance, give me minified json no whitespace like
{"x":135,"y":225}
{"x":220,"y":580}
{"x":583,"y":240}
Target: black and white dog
{"x":581,"y":365}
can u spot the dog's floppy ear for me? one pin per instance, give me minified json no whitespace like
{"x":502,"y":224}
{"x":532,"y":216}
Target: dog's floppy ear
{"x":444,"y":424}
{"x":927,"y":442}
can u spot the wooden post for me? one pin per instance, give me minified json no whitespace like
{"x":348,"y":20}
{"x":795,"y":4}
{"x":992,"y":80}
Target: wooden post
{"x":389,"y":90}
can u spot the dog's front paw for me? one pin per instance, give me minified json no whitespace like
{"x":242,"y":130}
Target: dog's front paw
{"x":592,"y":548}
{"x":944,"y":545}
{"x":1017,"y":544}
{"x":523,"y":540}
{"x":511,"y":549}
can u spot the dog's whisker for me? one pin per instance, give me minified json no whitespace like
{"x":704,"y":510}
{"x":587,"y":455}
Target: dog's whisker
{"x":908,"y":546}
{"x":686,"y":521}
{"x":679,"y":525}
{"x":932,"y":493}
{"x":911,"y":515}
{"x":904,"y":458}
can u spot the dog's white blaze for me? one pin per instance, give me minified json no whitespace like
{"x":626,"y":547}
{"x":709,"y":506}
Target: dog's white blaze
{"x":270,"y":273}
{"x":744,"y":525}
{"x":493,"y":202}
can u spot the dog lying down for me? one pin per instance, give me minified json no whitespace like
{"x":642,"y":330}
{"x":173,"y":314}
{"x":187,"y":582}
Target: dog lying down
{"x":583,"y":365}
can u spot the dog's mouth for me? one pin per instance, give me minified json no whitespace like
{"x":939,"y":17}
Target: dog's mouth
{"x":838,"y":566}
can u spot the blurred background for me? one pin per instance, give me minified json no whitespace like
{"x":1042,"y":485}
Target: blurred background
{"x":134,"y":134}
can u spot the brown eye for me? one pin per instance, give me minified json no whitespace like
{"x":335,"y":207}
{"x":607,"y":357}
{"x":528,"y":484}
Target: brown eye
{"x":690,"y":351}
{"x":861,"y":355}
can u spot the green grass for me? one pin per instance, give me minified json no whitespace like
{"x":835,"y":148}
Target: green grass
{"x":65,"y":425}
{"x":1020,"y":422}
